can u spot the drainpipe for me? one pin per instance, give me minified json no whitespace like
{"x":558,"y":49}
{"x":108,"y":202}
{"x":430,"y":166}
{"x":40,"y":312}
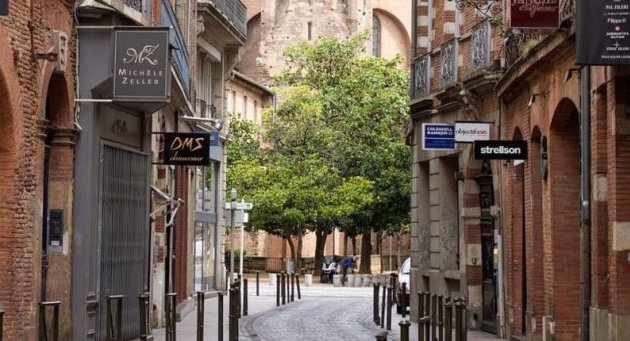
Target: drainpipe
{"x":585,"y":197}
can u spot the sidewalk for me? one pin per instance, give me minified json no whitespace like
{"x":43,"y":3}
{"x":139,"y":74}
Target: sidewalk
{"x":266,"y":302}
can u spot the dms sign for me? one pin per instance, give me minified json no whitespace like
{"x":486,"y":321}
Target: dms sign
{"x":501,"y":150}
{"x":187,"y":149}
{"x":141,"y":65}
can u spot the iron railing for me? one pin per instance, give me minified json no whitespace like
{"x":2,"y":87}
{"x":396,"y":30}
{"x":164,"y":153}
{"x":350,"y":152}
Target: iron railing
{"x":135,"y":4}
{"x":448,"y":63}
{"x":234,"y":12}
{"x":567,"y":9}
{"x":421,"y":79}
{"x":480,"y":49}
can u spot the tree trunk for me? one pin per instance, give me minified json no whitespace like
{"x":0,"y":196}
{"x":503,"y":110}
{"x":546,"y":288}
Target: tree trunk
{"x":366,"y":253}
{"x":345,"y":245}
{"x":298,"y":260}
{"x":379,"y":248}
{"x":320,"y":246}
{"x":354,"y":245}
{"x":292,"y":248}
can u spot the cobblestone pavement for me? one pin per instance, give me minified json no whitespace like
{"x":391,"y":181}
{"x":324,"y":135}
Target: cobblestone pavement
{"x":324,"y":313}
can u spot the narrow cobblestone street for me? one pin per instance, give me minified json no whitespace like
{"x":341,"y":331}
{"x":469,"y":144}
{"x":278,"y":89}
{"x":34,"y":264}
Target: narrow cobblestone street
{"x":324,"y":313}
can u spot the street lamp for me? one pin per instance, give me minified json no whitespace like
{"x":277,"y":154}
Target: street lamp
{"x":232,"y":208}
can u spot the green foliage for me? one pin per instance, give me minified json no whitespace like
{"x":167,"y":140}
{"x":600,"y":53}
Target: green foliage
{"x":333,"y":153}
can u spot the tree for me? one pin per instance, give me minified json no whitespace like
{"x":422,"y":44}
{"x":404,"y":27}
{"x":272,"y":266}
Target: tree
{"x":363,"y":101}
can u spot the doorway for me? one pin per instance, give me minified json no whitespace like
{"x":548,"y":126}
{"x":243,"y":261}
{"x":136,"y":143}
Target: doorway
{"x":489,"y":265}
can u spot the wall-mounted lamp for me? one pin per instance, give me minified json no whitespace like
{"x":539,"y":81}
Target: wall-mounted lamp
{"x":569,"y":73}
{"x":532,"y":98}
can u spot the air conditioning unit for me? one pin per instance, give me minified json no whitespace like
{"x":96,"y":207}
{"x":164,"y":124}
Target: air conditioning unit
{"x":60,"y":41}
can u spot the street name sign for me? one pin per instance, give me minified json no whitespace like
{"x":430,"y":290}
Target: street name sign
{"x":500,"y":150}
{"x":438,"y":136}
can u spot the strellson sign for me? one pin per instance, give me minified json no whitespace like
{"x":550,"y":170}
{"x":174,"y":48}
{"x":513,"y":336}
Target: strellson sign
{"x":534,"y":13}
{"x":188,"y":149}
{"x":603,"y":32}
{"x":141,"y":64}
{"x":500,"y":150}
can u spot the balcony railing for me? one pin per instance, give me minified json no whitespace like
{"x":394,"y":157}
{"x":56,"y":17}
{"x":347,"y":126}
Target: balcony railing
{"x":421,"y":85}
{"x":448,"y":63}
{"x":234,"y":12}
{"x":135,"y":4}
{"x":567,"y":9}
{"x":480,"y":49}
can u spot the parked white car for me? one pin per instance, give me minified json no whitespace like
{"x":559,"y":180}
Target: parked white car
{"x":403,"y":277}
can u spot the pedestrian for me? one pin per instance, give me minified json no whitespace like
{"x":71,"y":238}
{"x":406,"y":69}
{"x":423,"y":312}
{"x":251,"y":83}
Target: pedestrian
{"x":347,"y":263}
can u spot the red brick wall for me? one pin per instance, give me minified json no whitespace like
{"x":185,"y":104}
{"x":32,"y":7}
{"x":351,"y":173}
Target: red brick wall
{"x":564,"y":180}
{"x":22,"y":33}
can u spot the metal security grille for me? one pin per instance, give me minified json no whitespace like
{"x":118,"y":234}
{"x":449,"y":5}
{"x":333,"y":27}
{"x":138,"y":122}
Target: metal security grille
{"x":124,"y":235}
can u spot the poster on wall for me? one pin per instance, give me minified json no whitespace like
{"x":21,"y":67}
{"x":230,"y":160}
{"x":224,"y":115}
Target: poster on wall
{"x":534,"y":14}
{"x":141,"y":64}
{"x":603,"y":32}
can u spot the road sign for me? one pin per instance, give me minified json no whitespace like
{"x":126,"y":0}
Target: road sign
{"x":245,"y":206}
{"x":438,"y":136}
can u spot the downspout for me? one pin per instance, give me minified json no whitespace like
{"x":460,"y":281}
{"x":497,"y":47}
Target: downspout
{"x":585,"y":196}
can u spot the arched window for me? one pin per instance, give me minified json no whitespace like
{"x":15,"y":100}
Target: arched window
{"x":376,"y":37}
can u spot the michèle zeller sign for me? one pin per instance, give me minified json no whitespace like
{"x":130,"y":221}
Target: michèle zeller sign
{"x":603,"y":32}
{"x":500,"y":150}
{"x":141,"y":64}
{"x":188,"y":149}
{"x":534,"y":13}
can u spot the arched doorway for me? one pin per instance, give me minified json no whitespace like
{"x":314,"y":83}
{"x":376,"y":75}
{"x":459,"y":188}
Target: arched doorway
{"x":489,"y":261}
{"x":564,"y":218}
{"x":519,"y":242}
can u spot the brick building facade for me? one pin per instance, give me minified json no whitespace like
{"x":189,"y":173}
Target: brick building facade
{"x":529,"y":240}
{"x":36,"y":160}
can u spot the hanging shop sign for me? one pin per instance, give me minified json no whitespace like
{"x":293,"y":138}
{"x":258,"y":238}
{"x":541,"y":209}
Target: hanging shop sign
{"x":141,"y":64}
{"x":603,"y":32}
{"x":535,"y":14}
{"x":469,"y":132}
{"x":4,"y":7}
{"x":500,"y":150}
{"x":438,"y":136}
{"x":187,"y":149}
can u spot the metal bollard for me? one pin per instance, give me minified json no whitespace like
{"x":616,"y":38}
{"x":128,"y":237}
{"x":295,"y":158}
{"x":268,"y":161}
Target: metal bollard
{"x":233,"y":314}
{"x":244,"y":296}
{"x":440,"y":318}
{"x":297,"y":282}
{"x":421,"y":315}
{"x":381,"y":336}
{"x":448,"y":325}
{"x":277,"y":290}
{"x":43,"y":328}
{"x":383,"y":307}
{"x":292,"y":287}
{"x":200,"y":314}
{"x":284,"y":297}
{"x":288,"y":284}
{"x":143,"y":306}
{"x":433,"y":315}
{"x":220,"y":315}
{"x":458,"y":320}
{"x":114,"y":332}
{"x":389,"y":308}
{"x":171,"y":315}
{"x":375,"y":304}
{"x":464,"y":320}
{"x":427,"y":315}
{"x":404,"y":330}
{"x":1,"y":323}
{"x":257,"y":283}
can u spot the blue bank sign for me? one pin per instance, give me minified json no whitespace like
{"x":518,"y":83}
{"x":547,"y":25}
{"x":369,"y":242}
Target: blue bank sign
{"x":438,"y":136}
